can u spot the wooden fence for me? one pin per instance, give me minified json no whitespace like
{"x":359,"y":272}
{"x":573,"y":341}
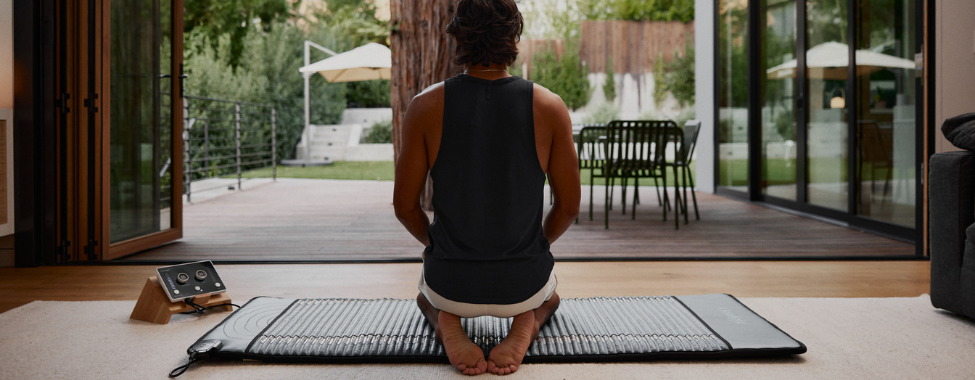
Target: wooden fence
{"x":633,"y":45}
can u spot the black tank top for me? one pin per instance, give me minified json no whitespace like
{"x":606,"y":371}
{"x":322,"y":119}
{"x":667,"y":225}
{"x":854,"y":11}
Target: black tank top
{"x":486,"y":241}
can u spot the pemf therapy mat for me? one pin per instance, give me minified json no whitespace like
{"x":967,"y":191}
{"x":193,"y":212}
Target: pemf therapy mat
{"x":342,"y":330}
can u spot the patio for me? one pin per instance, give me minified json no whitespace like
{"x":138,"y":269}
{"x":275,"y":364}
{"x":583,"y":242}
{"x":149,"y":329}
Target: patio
{"x":352,"y":221}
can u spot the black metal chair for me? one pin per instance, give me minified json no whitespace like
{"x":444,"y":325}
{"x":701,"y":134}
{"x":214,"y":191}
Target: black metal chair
{"x":635,"y":149}
{"x":682,"y":161}
{"x":591,"y":155}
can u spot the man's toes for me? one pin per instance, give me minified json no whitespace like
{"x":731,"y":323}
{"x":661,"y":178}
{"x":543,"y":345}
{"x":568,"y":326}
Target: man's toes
{"x":481,"y":366}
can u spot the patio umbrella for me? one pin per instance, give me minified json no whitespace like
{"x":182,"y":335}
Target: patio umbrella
{"x":830,"y":61}
{"x":367,"y":62}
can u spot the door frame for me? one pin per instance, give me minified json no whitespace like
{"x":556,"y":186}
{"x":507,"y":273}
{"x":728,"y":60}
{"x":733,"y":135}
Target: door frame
{"x":134,"y":245}
{"x":62,"y":130}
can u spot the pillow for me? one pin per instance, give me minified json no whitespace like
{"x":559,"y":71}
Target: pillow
{"x":960,"y":131}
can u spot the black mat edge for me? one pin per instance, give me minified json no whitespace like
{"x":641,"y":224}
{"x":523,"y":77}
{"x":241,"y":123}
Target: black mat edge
{"x":614,"y":358}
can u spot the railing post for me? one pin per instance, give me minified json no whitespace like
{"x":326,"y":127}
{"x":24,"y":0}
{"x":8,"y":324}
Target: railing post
{"x":206,"y":148}
{"x":187,"y":178}
{"x":274,"y":147}
{"x":237,"y":128}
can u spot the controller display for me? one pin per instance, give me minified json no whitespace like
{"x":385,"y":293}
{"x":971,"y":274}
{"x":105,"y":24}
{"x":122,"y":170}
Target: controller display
{"x":190,"y":280}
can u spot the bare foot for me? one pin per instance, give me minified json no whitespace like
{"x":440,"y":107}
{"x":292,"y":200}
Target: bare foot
{"x":463,"y":354}
{"x":507,"y":355}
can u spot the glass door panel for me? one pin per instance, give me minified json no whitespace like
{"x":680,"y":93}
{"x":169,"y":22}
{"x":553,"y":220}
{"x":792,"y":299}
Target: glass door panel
{"x":778,"y":92}
{"x":886,"y":103}
{"x":141,"y":146}
{"x":733,"y":94}
{"x":827,"y":63}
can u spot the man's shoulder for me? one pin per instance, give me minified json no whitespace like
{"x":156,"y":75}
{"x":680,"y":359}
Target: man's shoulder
{"x":430,"y":96}
{"x":548,"y":101}
{"x":425,"y":109}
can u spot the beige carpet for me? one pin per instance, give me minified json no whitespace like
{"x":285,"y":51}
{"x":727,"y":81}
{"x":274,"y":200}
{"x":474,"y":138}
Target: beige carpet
{"x":853,"y":338}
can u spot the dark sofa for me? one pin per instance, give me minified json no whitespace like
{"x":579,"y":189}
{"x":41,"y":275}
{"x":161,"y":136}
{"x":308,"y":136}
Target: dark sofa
{"x":951,"y":202}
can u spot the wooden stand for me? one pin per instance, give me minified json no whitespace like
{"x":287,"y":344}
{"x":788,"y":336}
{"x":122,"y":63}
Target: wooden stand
{"x":153,"y":305}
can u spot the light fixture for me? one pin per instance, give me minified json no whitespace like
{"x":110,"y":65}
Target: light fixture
{"x":838,"y":101}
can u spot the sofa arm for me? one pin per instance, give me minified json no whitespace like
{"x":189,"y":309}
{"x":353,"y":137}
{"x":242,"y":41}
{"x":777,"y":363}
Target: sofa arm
{"x":951,"y":205}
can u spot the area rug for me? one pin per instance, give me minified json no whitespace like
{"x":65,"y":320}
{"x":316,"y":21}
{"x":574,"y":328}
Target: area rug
{"x":847,"y":338}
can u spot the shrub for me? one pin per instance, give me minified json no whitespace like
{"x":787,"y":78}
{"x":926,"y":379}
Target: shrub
{"x":609,"y":86}
{"x":568,"y":77}
{"x":379,"y":133}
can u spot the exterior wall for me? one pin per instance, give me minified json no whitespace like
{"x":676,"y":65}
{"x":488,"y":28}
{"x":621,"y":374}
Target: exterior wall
{"x":6,"y":120}
{"x":704,"y":14}
{"x":954,"y":64}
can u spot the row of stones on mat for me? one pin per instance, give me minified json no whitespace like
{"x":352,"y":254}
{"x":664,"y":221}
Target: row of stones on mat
{"x":676,"y":341}
{"x":346,"y":339}
{"x":313,"y":301}
{"x":685,"y":342}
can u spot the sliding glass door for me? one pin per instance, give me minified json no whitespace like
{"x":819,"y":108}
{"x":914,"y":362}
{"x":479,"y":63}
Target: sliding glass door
{"x":886,"y":108}
{"x":778,"y":90}
{"x":817,"y":108}
{"x":732,"y":75}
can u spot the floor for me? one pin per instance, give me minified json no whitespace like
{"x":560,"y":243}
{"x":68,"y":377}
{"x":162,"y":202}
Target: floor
{"x":19,"y":286}
{"x":338,"y":220}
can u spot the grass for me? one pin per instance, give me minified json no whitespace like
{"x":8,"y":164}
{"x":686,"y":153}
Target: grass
{"x":780,"y":172}
{"x":363,"y":170}
{"x":384,"y":171}
{"x":584,"y":178}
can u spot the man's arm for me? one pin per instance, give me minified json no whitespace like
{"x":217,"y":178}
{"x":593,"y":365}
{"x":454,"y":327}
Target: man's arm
{"x":563,"y":167}
{"x":412,"y":167}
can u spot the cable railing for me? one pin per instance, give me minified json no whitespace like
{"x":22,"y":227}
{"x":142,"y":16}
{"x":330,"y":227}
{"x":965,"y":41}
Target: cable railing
{"x":223,"y":137}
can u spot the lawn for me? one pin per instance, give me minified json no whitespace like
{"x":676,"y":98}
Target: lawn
{"x":367,"y":170}
{"x":383,"y":171}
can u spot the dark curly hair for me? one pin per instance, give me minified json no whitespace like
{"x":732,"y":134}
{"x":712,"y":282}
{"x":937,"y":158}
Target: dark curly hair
{"x":486,"y":31}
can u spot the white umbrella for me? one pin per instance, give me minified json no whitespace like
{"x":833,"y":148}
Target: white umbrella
{"x":367,"y":62}
{"x":832,"y":60}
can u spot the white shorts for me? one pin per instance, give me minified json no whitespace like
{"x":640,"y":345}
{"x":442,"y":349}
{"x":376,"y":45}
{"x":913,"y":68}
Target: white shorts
{"x":471,"y":310}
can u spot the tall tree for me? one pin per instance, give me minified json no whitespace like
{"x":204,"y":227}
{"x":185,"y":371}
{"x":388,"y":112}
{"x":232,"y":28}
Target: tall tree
{"x":231,"y":18}
{"x":422,"y":56}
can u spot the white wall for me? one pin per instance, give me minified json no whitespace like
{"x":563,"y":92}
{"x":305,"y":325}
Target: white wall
{"x":704,"y":23}
{"x":954,"y":64}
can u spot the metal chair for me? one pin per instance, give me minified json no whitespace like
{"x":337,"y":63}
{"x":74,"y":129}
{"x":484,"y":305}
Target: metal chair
{"x":635,"y":149}
{"x":592,"y":155}
{"x":683,"y":153}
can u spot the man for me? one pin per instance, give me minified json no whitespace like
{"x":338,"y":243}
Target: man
{"x":488,"y":140}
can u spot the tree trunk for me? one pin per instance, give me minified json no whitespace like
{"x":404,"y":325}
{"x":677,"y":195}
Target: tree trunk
{"x":422,"y":54}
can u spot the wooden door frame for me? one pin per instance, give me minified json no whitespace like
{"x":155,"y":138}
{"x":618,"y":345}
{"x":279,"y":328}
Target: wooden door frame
{"x":128,"y":247}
